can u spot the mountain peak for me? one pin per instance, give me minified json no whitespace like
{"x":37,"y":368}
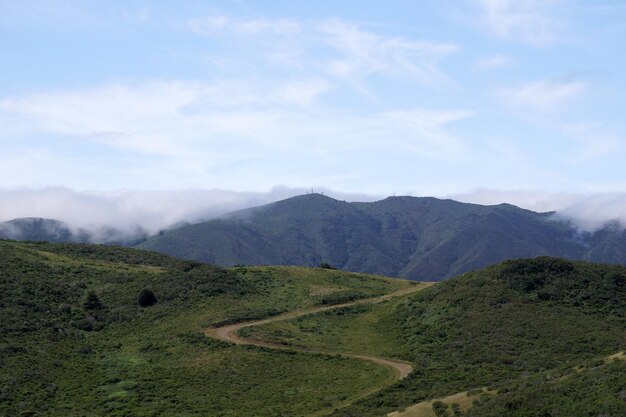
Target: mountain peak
{"x":27,"y":220}
{"x":311,"y":197}
{"x":411,"y":237}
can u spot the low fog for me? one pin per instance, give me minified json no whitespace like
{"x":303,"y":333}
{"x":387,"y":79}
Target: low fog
{"x":588,"y":212}
{"x":135,"y":212}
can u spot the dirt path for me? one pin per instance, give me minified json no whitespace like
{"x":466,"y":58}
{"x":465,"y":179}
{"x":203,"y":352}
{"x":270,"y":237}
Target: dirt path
{"x":229,"y":333}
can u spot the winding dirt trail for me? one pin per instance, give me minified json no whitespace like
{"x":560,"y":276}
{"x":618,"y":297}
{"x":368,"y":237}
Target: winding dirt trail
{"x":229,"y":333}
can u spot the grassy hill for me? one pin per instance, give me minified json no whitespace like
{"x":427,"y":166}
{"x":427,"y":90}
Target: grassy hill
{"x":75,"y":341}
{"x":80,"y":336}
{"x":536,"y":332}
{"x":409,"y":237}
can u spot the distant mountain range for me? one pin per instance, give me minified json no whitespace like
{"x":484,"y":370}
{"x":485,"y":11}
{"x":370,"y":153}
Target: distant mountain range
{"x":408,"y":237}
{"x":50,"y":230}
{"x":32,"y":228}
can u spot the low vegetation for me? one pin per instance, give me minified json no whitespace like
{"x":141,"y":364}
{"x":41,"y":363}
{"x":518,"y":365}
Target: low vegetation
{"x":508,"y":328}
{"x":91,"y":330}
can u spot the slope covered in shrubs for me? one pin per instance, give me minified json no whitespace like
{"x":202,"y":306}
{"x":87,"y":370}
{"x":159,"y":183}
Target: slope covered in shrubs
{"x":88,"y":330}
{"x":516,"y":328}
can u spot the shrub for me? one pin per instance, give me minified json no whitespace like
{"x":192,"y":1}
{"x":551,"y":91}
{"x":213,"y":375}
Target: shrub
{"x":440,"y":409}
{"x":146,"y":298}
{"x":92,"y":302}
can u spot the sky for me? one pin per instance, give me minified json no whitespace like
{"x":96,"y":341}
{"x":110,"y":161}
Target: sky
{"x":485,"y":100}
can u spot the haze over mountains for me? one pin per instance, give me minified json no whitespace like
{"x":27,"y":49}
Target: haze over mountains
{"x":408,"y":237}
{"x":51,"y":230}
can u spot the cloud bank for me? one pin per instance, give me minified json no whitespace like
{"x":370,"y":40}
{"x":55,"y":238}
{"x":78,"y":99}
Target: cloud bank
{"x":526,"y":21}
{"x":588,"y":212}
{"x":136,"y":211}
{"x":141,"y":211}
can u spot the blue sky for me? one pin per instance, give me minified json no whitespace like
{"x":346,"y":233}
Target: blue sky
{"x":419,"y":97}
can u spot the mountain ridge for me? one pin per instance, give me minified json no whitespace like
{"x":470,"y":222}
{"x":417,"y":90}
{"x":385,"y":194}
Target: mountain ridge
{"x":56,"y":231}
{"x":408,"y":237}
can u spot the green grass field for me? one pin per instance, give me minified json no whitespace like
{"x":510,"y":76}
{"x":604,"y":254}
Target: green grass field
{"x":60,"y":358}
{"x":356,"y":329}
{"x":74,"y":340}
{"x":493,"y":328}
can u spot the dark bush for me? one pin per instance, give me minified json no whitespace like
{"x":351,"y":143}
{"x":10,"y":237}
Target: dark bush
{"x":65,"y":308}
{"x":326,"y":265}
{"x":84,"y":350}
{"x":92,"y":302}
{"x":146,"y":298}
{"x":88,"y":324}
{"x":440,"y":409}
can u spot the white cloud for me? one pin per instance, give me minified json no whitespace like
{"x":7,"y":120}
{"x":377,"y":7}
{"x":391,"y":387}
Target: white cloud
{"x":428,"y":131}
{"x":363,"y":53}
{"x":528,"y":21}
{"x":128,"y":210}
{"x":213,"y":25}
{"x":543,"y":96}
{"x":588,"y":211}
{"x":132,"y":209}
{"x":593,"y":140}
{"x":333,"y":47}
{"x":540,"y":201}
{"x":39,"y":14}
{"x":159,"y":117}
{"x":301,"y":93}
{"x":592,"y":212}
{"x":192,"y":131}
{"x":493,"y":62}
{"x":552,"y":105}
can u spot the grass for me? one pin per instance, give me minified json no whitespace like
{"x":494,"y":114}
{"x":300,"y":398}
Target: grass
{"x":597,"y":389}
{"x":488,"y":328}
{"x":541,"y":334}
{"x":60,"y":358}
{"x":461,"y":401}
{"x":358,"y":329}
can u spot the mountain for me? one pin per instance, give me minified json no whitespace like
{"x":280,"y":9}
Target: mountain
{"x":38,"y":229}
{"x":408,"y":237}
{"x":50,"y":230}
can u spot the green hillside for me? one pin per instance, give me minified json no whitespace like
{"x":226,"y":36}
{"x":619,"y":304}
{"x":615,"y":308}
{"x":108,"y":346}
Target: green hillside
{"x":91,"y":330}
{"x":75,"y":341}
{"x":408,"y":237}
{"x":537,"y":331}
